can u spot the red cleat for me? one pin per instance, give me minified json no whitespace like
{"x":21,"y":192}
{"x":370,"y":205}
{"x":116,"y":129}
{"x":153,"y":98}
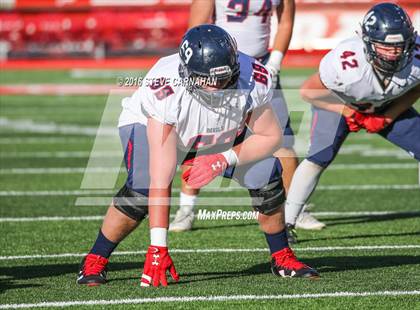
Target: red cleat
{"x":285,"y":264}
{"x":93,"y":270}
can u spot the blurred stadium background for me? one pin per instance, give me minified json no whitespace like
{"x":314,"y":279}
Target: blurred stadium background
{"x":109,"y":29}
{"x":53,"y":53}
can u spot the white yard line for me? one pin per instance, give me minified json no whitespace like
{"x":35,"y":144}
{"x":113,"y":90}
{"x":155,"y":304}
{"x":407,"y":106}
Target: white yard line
{"x":100,"y":217}
{"x":373,"y":166}
{"x":362,"y":213}
{"x":111,"y":192}
{"x":46,"y":140}
{"x":365,"y":150}
{"x":55,"y":218}
{"x":218,"y":201}
{"x":368,"y":187}
{"x":226,"y":250}
{"x":210,"y":189}
{"x":65,"y":89}
{"x":59,"y":170}
{"x":73,"y":170}
{"x":104,"y":73}
{"x":217,"y":298}
{"x":57,"y":193}
{"x":62,"y":154}
{"x":28,"y":125}
{"x":50,"y":219}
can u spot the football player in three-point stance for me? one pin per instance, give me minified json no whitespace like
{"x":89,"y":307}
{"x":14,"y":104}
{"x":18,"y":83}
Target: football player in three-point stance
{"x":369,"y":82}
{"x":248,"y":21}
{"x":219,"y":123}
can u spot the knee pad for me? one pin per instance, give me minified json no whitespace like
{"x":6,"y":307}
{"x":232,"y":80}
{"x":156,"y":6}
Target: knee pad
{"x":269,"y":198}
{"x":131,"y":203}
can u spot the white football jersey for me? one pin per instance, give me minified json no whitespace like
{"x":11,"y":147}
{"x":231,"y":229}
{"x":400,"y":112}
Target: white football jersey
{"x":248,"y":21}
{"x":164,"y":97}
{"x":346,"y":71}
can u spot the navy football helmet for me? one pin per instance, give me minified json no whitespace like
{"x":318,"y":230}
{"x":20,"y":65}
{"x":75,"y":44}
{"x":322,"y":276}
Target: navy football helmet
{"x":209,"y":53}
{"x":388,"y":25}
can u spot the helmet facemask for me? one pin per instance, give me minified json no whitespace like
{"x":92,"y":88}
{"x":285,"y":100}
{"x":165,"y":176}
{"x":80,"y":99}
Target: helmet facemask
{"x":379,"y":53}
{"x":214,"y":90}
{"x":389,"y":38}
{"x":209,"y":62}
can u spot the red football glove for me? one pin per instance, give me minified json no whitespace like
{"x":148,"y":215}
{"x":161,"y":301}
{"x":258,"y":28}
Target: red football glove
{"x":355,"y":121}
{"x":204,"y":169}
{"x":157,"y":263}
{"x":375,"y":123}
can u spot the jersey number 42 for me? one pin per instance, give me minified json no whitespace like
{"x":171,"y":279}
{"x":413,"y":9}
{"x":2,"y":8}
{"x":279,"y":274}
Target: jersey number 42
{"x":349,"y":61}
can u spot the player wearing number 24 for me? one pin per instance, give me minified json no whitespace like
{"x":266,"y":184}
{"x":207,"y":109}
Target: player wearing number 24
{"x":369,"y":82}
{"x":220,"y":124}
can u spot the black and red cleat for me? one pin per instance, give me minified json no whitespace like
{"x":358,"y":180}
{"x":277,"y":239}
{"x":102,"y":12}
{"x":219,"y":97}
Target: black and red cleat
{"x":285,"y":264}
{"x":93,"y":270}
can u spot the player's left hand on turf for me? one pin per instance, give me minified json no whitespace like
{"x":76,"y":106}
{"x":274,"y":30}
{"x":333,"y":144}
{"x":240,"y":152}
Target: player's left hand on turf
{"x":157,"y":263}
{"x":204,"y":169}
{"x":375,"y":123}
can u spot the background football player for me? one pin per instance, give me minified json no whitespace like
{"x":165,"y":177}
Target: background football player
{"x":367,"y":82}
{"x":166,"y":121}
{"x":249,"y":23}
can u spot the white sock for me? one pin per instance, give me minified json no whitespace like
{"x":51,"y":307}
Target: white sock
{"x":187,"y":202}
{"x":303,"y":184}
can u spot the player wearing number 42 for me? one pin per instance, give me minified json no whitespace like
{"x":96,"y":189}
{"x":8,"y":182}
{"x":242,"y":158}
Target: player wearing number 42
{"x":366,"y":83}
{"x":227,"y":128}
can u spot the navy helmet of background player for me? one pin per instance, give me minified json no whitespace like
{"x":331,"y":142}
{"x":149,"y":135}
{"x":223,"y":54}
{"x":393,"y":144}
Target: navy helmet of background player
{"x":387,"y":24}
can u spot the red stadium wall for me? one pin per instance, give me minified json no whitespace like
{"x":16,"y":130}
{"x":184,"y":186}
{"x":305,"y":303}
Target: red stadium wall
{"x":106,"y":29}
